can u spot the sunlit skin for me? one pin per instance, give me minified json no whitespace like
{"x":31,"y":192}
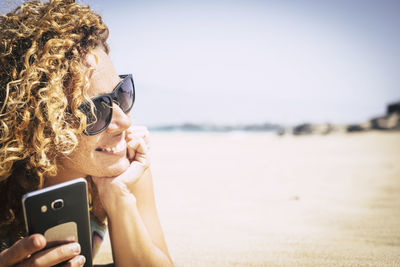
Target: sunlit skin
{"x":89,"y":158}
{"x":121,"y":175}
{"x":117,"y":160}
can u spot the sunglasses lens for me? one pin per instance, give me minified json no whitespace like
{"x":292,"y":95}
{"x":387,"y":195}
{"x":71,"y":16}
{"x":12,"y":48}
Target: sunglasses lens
{"x":102,"y":111}
{"x":126,"y":95}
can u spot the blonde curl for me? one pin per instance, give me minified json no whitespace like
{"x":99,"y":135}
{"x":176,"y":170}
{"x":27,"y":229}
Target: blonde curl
{"x":43,"y":47}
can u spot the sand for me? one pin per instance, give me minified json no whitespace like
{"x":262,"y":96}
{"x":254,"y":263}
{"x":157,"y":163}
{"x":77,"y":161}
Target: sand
{"x":261,"y":200}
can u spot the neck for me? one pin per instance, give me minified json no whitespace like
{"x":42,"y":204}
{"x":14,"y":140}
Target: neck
{"x":61,"y":176}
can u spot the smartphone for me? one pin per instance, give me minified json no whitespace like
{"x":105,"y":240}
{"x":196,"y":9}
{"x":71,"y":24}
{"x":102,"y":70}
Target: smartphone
{"x":60,"y":213}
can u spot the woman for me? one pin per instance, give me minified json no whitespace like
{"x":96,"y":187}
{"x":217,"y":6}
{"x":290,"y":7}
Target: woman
{"x":64,"y":114}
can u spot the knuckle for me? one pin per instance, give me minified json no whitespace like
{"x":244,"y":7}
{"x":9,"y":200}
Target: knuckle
{"x":14,"y":254}
{"x":27,"y":244}
{"x":62,"y":251}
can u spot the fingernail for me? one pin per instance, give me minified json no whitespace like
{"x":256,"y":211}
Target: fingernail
{"x":81,"y":260}
{"x":37,"y":242}
{"x":76,"y":248}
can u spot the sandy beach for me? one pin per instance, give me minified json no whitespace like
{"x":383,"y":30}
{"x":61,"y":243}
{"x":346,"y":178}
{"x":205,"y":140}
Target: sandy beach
{"x":243,"y":199}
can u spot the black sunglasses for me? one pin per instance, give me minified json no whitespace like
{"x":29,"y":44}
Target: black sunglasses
{"x":123,"y":95}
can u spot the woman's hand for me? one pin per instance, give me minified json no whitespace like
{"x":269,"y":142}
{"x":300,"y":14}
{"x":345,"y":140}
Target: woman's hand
{"x":133,"y":135}
{"x":121,"y":186}
{"x":137,"y":139}
{"x":27,"y":252}
{"x":128,"y":199}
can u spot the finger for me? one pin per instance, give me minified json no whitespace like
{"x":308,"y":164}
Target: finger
{"x":138,"y":166}
{"x":76,"y":261}
{"x":133,"y":174}
{"x":22,"y":249}
{"x":53,"y":256}
{"x":139,"y":132}
{"x":137,"y":151}
{"x":135,"y":146}
{"x":141,"y":154}
{"x":134,"y":136}
{"x":131,"y":148}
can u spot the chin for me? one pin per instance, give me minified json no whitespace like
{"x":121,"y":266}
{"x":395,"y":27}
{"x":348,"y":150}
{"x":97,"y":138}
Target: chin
{"x":117,"y":168}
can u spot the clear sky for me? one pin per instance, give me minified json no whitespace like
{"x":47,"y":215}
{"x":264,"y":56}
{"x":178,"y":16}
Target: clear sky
{"x":257,"y":61}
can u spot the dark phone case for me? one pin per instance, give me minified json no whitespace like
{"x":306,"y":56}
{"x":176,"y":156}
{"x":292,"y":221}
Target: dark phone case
{"x":75,"y":197}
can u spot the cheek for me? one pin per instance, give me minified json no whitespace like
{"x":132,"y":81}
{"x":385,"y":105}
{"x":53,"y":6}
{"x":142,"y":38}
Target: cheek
{"x":84,"y":153}
{"x":87,"y":144}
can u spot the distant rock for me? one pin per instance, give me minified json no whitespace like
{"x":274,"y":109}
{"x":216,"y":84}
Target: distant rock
{"x":320,"y":129}
{"x":393,"y":108}
{"x":361,"y":127}
{"x":389,"y":122}
{"x":303,"y":129}
{"x":355,"y":128}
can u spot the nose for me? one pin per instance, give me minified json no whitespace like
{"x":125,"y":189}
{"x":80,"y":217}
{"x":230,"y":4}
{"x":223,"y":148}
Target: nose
{"x":119,"y":121}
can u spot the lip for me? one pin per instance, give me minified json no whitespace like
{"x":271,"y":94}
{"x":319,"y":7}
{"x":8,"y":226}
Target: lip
{"x":110,"y":153}
{"x":113,"y":148}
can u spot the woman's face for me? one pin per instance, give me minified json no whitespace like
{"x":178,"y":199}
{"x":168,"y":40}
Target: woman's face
{"x":103,"y":154}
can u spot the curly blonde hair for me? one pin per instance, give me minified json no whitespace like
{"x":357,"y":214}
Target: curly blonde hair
{"x":43,"y":81}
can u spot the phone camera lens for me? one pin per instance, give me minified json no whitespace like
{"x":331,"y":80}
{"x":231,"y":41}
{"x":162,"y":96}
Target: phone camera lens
{"x":57,"y":204}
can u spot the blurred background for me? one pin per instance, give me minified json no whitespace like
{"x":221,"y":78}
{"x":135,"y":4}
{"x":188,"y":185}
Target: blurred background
{"x":215,"y":80}
{"x":240,"y":62}
{"x":225,"y":76}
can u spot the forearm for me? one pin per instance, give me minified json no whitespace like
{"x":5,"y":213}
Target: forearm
{"x":130,"y":240}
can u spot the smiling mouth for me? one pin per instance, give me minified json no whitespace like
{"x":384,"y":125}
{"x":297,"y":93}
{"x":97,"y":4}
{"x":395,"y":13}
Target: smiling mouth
{"x":120,"y":147}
